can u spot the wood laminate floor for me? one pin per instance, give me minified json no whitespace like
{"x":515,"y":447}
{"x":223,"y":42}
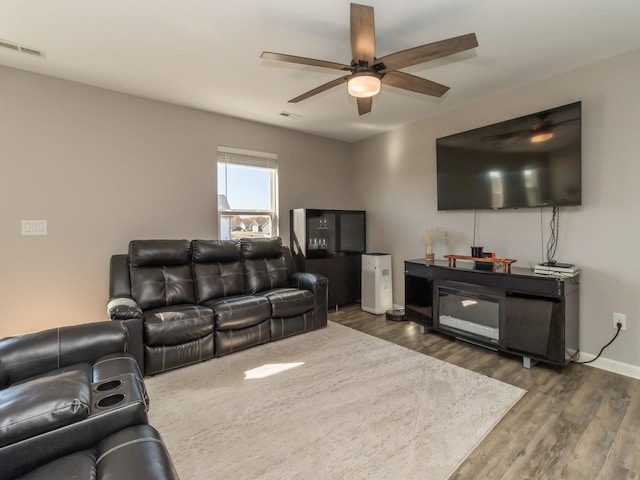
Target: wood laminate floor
{"x":576,"y":422}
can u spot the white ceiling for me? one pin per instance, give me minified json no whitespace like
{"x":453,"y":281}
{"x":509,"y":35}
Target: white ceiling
{"x":205,"y":53}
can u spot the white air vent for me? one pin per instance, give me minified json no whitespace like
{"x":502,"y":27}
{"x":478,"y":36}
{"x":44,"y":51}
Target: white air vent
{"x":21,"y":48}
{"x":295,"y":116}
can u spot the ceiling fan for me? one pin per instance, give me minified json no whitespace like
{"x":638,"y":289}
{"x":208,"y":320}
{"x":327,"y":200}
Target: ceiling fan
{"x":368,"y":72}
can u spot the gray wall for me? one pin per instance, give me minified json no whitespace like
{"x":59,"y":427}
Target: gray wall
{"x":396,"y":180}
{"x":104,"y":168}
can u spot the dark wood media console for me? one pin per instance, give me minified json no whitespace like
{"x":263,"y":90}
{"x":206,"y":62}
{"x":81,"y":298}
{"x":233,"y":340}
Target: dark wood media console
{"x":521,"y":313}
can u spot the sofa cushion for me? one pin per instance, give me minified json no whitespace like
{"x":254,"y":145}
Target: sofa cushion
{"x":238,"y":312}
{"x":210,"y":251}
{"x":252,"y":248}
{"x":166,"y":357}
{"x":265,"y":274}
{"x":160,"y":272}
{"x":285,"y":327}
{"x":159,"y":253}
{"x":154,"y":287}
{"x":216,"y":280}
{"x":43,"y":404}
{"x":264,"y":265}
{"x":176,"y":324}
{"x":217,"y":269}
{"x":229,"y":341}
{"x":288,"y":302}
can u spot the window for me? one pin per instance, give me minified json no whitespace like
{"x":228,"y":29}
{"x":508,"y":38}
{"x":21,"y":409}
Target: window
{"x":247,"y":194}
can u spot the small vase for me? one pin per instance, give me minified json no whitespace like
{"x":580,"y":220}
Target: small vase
{"x":429,"y":256}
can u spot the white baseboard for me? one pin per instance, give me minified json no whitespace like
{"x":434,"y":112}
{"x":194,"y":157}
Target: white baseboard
{"x":611,"y":365}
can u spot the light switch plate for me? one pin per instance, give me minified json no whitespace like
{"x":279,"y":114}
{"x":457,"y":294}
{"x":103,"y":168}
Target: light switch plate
{"x":34,"y":227}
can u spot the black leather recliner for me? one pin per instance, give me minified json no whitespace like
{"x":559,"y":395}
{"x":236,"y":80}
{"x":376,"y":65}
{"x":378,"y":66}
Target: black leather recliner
{"x":208,"y":298}
{"x":135,"y":453}
{"x":291,"y":295}
{"x":155,"y":283}
{"x":241,"y":320}
{"x":63,"y":390}
{"x":254,"y":294}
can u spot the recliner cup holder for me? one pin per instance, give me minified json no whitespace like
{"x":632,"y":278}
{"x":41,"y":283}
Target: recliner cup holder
{"x":110,"y":385}
{"x":110,"y":400}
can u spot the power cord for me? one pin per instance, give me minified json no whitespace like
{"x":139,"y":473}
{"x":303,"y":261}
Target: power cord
{"x":475,"y":227}
{"x":554,"y":235}
{"x":619,"y":326}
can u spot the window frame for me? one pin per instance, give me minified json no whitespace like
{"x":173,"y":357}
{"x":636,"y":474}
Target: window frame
{"x":249,"y":158}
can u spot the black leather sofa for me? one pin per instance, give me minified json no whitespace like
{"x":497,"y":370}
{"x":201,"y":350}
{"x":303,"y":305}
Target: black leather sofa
{"x":68,"y":390}
{"x":206,"y":298}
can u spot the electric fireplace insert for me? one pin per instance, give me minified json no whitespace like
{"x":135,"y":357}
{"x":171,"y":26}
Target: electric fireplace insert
{"x":468,"y":312}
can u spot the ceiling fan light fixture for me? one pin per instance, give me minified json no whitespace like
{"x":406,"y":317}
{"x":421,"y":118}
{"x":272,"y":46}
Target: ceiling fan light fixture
{"x":363,"y":85}
{"x":366,"y":71}
{"x":541,"y":136}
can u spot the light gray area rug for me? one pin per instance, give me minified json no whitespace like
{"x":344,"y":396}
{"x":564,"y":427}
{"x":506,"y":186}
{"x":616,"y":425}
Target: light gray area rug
{"x":331,"y":404}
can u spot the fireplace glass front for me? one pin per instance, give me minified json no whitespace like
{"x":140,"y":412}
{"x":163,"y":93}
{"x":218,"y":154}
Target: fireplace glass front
{"x":474,"y":314}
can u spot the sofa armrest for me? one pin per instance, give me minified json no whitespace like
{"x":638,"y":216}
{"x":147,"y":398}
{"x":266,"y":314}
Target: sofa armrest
{"x":4,"y":376}
{"x":137,"y":452}
{"x":33,"y":354}
{"x":123,"y":308}
{"x":319,"y":285}
{"x":308,"y":281}
{"x":126,"y":311}
{"x":133,"y":452}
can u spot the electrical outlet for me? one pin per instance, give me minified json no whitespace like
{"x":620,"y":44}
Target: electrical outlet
{"x":620,"y":318}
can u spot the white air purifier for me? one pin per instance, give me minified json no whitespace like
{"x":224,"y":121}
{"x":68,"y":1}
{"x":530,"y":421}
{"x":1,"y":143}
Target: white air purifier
{"x":377,"y":291}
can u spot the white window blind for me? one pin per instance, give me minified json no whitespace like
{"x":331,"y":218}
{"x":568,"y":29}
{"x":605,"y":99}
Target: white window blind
{"x":247,"y":157}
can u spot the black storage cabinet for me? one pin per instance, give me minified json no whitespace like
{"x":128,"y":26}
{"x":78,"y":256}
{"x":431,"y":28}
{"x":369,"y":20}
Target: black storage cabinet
{"x":331,"y":243}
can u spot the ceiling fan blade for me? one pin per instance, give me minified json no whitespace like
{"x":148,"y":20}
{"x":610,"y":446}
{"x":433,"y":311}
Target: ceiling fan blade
{"x":281,"y":57}
{"x":364,"y":105}
{"x":363,"y":33}
{"x":504,"y":137}
{"x":320,"y":89}
{"x":564,"y":122}
{"x":413,"y":83}
{"x":430,"y":51}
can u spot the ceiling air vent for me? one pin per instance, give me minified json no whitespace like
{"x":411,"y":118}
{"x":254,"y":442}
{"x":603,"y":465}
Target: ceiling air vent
{"x":21,"y":48}
{"x":295,"y":116}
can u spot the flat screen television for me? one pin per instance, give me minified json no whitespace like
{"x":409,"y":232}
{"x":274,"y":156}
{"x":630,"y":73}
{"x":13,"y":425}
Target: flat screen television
{"x":530,"y":161}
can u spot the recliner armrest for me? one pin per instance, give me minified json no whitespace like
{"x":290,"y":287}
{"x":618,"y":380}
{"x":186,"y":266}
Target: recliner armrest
{"x":123,"y":308}
{"x":307,"y":281}
{"x":4,"y":376}
{"x":32,"y":354}
{"x":319,"y":285}
{"x":126,"y":311}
